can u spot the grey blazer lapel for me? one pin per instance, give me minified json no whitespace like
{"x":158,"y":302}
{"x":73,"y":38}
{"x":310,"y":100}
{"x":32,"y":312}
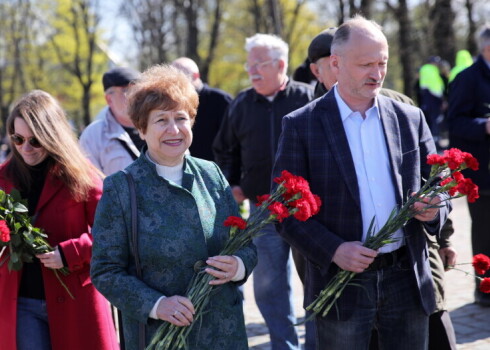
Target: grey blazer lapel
{"x":337,"y":139}
{"x":393,"y":139}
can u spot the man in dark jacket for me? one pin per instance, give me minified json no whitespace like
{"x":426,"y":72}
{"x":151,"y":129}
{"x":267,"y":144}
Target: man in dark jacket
{"x":441,"y":253}
{"x":245,"y":149}
{"x":469,"y":130}
{"x":212,"y":106}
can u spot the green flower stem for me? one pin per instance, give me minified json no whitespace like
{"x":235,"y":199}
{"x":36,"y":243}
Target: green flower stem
{"x":63,"y":284}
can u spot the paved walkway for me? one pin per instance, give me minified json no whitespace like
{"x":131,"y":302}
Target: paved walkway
{"x":471,"y":322}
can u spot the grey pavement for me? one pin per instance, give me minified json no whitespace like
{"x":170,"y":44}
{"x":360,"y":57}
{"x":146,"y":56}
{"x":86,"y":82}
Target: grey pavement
{"x":471,"y":322}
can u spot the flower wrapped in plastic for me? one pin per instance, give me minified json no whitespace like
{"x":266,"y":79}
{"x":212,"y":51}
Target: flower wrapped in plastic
{"x":20,"y":241}
{"x":291,"y":197}
{"x":445,"y":177}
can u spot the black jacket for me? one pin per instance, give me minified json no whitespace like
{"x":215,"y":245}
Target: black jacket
{"x":468,"y":112}
{"x":246,"y":144}
{"x":212,"y":106}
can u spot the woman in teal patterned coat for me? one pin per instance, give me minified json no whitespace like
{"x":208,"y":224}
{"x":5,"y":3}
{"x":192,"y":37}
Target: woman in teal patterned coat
{"x":182,"y":202}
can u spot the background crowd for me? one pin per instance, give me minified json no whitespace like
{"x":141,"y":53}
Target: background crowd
{"x":195,"y":154}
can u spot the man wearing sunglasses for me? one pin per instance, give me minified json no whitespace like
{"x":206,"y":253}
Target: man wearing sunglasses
{"x":245,"y":148}
{"x":112,"y":143}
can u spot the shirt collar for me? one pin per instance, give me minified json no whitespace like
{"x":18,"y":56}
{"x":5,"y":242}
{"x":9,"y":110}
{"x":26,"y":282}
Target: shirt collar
{"x":346,"y":112}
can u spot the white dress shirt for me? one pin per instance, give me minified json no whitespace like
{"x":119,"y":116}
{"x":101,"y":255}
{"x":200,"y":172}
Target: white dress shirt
{"x":373,"y":169}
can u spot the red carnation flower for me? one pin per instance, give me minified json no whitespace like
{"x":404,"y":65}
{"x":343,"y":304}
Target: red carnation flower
{"x":279,"y":209}
{"x":304,"y":209}
{"x":470,"y":161}
{"x":454,"y":158}
{"x":446,"y":181}
{"x":433,"y":159}
{"x":481,"y":263}
{"x":4,"y":231}
{"x":292,"y":183}
{"x":458,"y":176}
{"x":318,"y":203}
{"x":485,"y":285}
{"x":262,"y":199}
{"x":236,"y":222}
{"x":468,"y":188}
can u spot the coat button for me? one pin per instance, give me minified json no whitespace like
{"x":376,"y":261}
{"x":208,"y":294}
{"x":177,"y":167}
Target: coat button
{"x":60,"y":299}
{"x":198,"y":266}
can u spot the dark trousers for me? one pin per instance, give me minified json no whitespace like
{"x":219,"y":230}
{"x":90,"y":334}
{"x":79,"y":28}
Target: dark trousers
{"x":441,"y":333}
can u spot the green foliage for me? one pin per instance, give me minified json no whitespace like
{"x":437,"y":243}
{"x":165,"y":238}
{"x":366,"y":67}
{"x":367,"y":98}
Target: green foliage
{"x":227,"y":69}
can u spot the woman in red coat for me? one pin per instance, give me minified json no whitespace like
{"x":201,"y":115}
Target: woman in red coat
{"x":62,"y":190}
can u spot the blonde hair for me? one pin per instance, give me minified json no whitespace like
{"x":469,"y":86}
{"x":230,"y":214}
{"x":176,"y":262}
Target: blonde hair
{"x":47,"y":122}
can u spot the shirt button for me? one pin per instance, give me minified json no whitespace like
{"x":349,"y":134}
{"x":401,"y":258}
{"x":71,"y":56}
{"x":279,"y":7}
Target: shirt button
{"x":60,"y":299}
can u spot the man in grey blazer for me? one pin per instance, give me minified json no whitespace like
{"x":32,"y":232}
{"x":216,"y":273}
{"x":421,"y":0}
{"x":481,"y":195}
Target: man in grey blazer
{"x":363,"y":154}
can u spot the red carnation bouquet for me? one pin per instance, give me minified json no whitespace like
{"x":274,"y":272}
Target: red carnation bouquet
{"x":20,"y":241}
{"x":445,"y":177}
{"x":291,"y":197}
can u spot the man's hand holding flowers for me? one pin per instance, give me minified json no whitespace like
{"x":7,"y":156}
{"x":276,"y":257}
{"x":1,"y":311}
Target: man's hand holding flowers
{"x":353,"y":256}
{"x":427,"y":208}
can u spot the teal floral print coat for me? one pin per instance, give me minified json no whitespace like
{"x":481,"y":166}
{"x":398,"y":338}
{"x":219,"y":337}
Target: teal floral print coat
{"x":177,"y":227}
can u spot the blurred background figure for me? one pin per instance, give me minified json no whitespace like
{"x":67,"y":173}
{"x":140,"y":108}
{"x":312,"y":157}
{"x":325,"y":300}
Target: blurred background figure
{"x":431,"y":96}
{"x":112,"y":143}
{"x":62,"y":190}
{"x":469,"y":130}
{"x":212,"y":106}
{"x":463,"y":61}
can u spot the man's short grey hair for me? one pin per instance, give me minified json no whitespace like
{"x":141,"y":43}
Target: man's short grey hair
{"x":484,"y":37}
{"x":278,"y":48}
{"x":344,"y":31}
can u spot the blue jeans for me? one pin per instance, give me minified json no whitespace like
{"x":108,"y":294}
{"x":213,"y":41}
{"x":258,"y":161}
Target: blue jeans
{"x":272,"y":288}
{"x":389,"y":302}
{"x":32,"y":325}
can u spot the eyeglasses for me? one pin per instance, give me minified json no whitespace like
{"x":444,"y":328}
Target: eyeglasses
{"x":258,"y":65}
{"x":19,"y":141}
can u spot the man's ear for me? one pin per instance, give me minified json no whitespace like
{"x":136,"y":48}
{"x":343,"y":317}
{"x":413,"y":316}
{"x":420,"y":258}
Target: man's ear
{"x":315,"y":70}
{"x":334,"y":63}
{"x":108,"y":99}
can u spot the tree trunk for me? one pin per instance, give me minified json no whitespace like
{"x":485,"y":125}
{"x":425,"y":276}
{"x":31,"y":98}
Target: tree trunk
{"x":471,"y":44}
{"x":275,"y":17}
{"x":405,"y":46}
{"x":190,"y":10}
{"x":442,"y":19}
{"x":213,"y":43}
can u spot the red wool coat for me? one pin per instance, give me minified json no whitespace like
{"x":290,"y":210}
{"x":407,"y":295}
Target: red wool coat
{"x":80,"y":324}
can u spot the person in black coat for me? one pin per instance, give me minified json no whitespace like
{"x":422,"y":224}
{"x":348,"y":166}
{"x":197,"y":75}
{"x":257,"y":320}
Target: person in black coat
{"x":469,"y":130}
{"x":212,"y":106}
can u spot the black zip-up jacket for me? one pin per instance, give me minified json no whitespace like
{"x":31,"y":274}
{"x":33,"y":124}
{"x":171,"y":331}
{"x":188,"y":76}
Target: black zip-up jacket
{"x":246,"y":143}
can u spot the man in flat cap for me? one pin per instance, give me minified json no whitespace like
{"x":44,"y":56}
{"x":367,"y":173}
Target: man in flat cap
{"x":319,"y":56}
{"x":112,"y":143}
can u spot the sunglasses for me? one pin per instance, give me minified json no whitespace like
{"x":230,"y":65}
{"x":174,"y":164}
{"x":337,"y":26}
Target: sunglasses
{"x":19,"y":141}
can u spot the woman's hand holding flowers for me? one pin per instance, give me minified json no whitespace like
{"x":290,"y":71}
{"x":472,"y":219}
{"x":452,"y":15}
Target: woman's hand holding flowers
{"x":51,"y":260}
{"x":225,"y":268}
{"x":177,"y":310}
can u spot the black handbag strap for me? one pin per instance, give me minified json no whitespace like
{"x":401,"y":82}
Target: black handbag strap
{"x":134,"y":246}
